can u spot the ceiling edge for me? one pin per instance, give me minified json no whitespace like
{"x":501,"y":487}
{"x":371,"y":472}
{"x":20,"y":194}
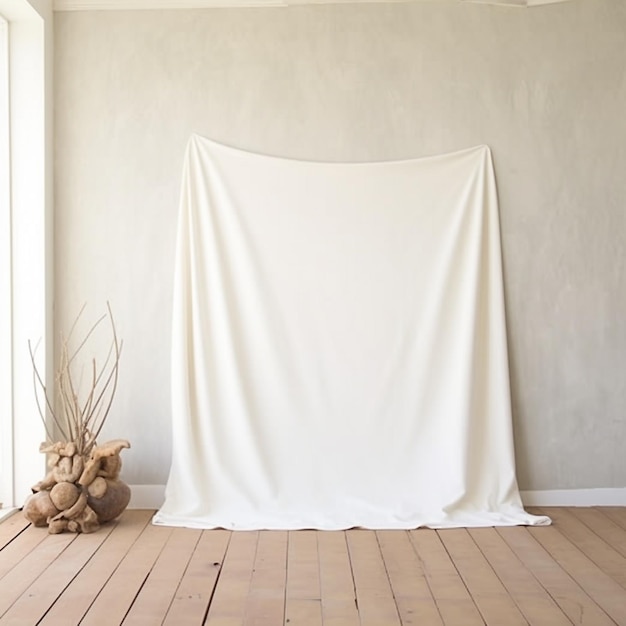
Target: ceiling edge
{"x":118,"y":5}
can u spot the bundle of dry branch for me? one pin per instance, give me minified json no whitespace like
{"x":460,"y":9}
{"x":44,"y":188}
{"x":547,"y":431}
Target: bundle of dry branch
{"x":82,"y":488}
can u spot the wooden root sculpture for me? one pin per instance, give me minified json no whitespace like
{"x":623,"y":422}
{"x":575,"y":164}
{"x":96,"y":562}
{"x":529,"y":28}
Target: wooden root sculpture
{"x":82,"y":488}
{"x":78,"y":494}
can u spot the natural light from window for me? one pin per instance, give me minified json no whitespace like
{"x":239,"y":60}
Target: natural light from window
{"x":26,"y":229}
{"x":5,"y":265}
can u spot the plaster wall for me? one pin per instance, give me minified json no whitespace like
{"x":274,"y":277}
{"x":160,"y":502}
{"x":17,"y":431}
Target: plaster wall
{"x":545,"y":88}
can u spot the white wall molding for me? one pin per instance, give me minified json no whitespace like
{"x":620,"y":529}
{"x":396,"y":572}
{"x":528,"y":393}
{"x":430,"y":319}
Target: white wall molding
{"x":116,"y":5}
{"x":153,"y":496}
{"x":4,"y":513}
{"x":576,"y":497}
{"x":146,"y":496}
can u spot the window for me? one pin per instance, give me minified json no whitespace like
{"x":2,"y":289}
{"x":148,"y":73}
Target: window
{"x":6,"y":426}
{"x":25,"y":235}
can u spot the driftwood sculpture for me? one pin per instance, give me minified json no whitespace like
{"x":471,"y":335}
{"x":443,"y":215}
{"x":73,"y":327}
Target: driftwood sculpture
{"x":82,"y":488}
{"x":77,"y":494}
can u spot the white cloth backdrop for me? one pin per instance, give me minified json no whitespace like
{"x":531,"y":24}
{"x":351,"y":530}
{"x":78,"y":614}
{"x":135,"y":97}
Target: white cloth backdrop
{"x":339,"y":347}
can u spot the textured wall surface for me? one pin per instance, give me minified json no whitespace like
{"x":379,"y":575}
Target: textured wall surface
{"x":545,"y":88}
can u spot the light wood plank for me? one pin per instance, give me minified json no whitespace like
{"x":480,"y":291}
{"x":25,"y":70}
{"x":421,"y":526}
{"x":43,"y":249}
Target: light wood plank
{"x":373,"y":592}
{"x":414,"y":599}
{"x":603,"y":526}
{"x":336,"y":580}
{"x":15,"y":551}
{"x":488,"y":593}
{"x":15,"y":582}
{"x":43,"y":592}
{"x":608,"y":594}
{"x":602,"y":554}
{"x":453,"y":600}
{"x":532,"y":599}
{"x":133,"y":571}
{"x":303,"y":612}
{"x":154,"y":599}
{"x":265,"y":604}
{"x":229,"y":600}
{"x":303,"y":574}
{"x":11,"y":527}
{"x":571,"y":598}
{"x":118,"y":594}
{"x":194,"y":593}
{"x":303,"y":605}
{"x":615,"y":513}
{"x":78,"y":596}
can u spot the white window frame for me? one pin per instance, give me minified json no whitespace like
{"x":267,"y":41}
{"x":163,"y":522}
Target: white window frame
{"x":6,"y":340}
{"x":26,"y":246}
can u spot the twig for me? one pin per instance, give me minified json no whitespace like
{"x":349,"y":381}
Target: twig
{"x":81,"y":421}
{"x":37,"y":377}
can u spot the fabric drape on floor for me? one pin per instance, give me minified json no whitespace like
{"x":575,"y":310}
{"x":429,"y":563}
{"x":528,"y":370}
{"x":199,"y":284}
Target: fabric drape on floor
{"x":339,"y":346}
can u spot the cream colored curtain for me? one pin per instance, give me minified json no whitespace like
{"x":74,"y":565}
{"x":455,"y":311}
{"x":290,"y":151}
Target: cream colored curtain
{"x":339,"y":346}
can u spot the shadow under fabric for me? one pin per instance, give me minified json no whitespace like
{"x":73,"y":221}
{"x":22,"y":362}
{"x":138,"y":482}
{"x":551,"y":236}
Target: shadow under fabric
{"x":339,"y":351}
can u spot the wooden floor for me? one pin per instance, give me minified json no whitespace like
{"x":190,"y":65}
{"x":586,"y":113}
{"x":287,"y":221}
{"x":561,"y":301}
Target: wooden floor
{"x":134,"y":573}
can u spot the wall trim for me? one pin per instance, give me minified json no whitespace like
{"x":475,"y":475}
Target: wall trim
{"x":116,"y":5}
{"x":4,"y":513}
{"x":153,"y":496}
{"x":575,"y":497}
{"x":146,"y":496}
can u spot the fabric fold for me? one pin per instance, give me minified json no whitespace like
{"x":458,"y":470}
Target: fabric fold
{"x":339,"y":348}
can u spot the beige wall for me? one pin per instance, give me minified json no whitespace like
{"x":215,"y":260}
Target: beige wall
{"x":545,"y":88}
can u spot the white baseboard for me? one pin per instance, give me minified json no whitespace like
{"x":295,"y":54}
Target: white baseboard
{"x":575,"y":497}
{"x":153,"y":496}
{"x":146,"y":496}
{"x":4,"y":513}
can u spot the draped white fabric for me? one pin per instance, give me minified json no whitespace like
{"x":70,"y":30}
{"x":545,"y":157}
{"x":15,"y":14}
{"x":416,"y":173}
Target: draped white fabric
{"x":339,"y":346}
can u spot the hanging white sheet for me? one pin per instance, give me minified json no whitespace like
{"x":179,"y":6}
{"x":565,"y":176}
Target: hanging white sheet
{"x":339,"y":346}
